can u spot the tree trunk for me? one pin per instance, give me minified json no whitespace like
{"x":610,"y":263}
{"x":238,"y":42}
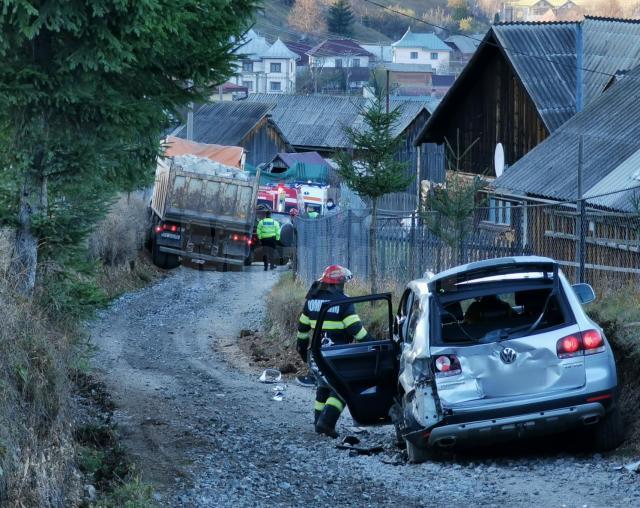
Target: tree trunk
{"x":24,"y":262}
{"x":373,"y":246}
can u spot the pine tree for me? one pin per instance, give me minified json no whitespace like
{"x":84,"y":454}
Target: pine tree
{"x":375,"y":172}
{"x":86,"y":88}
{"x":340,"y":18}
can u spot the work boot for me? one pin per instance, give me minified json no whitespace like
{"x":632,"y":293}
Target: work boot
{"x":326,"y":423}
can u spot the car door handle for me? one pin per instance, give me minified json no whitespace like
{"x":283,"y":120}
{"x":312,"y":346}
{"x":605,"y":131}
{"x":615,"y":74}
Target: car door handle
{"x":379,"y":347}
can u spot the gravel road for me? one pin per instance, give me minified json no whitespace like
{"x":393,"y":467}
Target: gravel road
{"x":206,"y":433}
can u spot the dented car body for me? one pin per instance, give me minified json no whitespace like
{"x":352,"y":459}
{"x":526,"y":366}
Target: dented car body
{"x":485,"y":352}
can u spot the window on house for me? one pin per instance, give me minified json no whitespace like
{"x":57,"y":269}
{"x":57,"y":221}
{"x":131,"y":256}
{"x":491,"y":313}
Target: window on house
{"x":275,"y":86}
{"x":248,"y":85}
{"x":247,"y":66}
{"x":338,"y":62}
{"x":275,"y":67}
{"x":413,"y":55}
{"x":499,"y":212}
{"x":356,"y":62}
{"x":434,"y":56}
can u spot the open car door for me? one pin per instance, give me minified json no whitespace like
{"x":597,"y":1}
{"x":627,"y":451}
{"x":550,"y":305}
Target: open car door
{"x":364,"y":374}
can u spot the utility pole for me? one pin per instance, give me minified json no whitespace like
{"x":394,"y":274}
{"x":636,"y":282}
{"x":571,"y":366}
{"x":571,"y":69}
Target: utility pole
{"x":388,"y":100}
{"x":580,"y":226}
{"x":190,"y":116}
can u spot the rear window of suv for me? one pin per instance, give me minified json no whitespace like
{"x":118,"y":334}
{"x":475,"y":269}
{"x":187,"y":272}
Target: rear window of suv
{"x":481,"y":317}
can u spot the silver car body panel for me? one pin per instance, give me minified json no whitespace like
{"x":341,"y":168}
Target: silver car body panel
{"x":536,"y":376}
{"x":529,"y":424}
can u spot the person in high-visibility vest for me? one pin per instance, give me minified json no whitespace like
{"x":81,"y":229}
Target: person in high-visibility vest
{"x":342,"y":325}
{"x":311,"y":213}
{"x":268,"y":232}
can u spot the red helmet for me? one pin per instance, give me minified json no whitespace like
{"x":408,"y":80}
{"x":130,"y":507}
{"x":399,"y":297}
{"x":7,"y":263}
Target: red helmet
{"x":336,"y":274}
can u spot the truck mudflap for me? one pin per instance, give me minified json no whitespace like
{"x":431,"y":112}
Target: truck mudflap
{"x":201,"y":256}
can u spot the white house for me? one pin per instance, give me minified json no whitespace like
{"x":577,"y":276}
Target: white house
{"x":338,"y":53}
{"x":264,"y":67}
{"x":422,"y":48}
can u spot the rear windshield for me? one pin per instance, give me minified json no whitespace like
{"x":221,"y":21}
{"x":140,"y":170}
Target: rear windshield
{"x":492,"y":316}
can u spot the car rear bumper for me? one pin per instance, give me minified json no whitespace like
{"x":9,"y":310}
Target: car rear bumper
{"x":512,"y":427}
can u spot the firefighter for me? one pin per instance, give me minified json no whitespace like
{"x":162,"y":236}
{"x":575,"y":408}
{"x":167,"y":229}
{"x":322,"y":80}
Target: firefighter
{"x":268,"y":232}
{"x":341,"y":326}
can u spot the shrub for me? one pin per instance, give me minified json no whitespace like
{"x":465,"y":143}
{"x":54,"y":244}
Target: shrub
{"x":120,"y":235}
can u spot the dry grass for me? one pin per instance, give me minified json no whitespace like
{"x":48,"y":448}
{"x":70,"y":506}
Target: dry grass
{"x":35,"y":446}
{"x":284,"y":305}
{"x":119,"y":237}
{"x":619,"y":315}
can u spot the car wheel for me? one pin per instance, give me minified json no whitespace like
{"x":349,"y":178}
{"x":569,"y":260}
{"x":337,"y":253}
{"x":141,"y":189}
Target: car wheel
{"x":609,"y":433}
{"x":247,"y":260}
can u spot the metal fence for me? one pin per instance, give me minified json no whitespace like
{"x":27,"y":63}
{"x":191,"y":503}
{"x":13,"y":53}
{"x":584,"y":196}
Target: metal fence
{"x":606,"y":254}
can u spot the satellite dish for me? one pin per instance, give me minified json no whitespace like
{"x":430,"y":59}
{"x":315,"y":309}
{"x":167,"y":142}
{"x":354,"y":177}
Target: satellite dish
{"x":498,"y":160}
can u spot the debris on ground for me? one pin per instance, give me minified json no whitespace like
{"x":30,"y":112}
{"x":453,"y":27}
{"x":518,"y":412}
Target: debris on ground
{"x":270,"y":376}
{"x":351,"y":443}
{"x":633,"y":467}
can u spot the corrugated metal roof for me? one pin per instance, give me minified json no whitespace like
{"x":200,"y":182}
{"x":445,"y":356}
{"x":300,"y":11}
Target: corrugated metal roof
{"x":466,"y":45}
{"x":428,"y":41}
{"x":610,"y":128}
{"x":624,"y":178}
{"x":319,"y":120}
{"x":543,"y":55}
{"x":224,"y":123}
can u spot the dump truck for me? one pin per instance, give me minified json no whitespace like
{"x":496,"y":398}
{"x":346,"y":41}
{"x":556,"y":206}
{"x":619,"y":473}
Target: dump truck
{"x":203,"y":211}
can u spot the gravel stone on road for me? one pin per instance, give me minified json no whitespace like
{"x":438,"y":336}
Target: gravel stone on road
{"x":206,"y":433}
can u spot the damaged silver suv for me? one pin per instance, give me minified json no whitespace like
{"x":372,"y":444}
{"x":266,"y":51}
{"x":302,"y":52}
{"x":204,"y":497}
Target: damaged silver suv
{"x":485,"y":352}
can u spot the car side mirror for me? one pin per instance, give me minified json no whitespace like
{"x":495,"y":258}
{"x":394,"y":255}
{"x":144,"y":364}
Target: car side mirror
{"x":584,"y":292}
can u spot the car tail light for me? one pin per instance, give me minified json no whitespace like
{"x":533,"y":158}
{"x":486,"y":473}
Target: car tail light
{"x":592,"y":342}
{"x":447,"y":365}
{"x":578,"y":344}
{"x":158,"y":229}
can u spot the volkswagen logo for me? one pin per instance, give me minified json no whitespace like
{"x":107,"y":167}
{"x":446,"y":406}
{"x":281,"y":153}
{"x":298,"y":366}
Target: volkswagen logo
{"x":508,"y":355}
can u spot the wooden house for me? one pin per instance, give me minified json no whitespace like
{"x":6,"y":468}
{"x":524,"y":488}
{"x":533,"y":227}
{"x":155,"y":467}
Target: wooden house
{"x":525,"y":81}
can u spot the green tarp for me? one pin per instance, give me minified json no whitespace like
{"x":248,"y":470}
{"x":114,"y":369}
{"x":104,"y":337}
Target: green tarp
{"x":316,"y":173}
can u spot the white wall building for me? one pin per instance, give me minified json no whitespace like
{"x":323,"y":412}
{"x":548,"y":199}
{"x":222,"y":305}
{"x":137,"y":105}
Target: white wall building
{"x":422,"y":48}
{"x":338,"y":53}
{"x":264,"y":67}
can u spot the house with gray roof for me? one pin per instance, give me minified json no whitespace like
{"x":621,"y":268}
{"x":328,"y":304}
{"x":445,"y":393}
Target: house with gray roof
{"x":265,"y":68}
{"x":525,"y":81}
{"x":238,"y":123}
{"x":610,"y":131}
{"x":537,"y":197}
{"x":318,"y":122}
{"x":422,"y":48}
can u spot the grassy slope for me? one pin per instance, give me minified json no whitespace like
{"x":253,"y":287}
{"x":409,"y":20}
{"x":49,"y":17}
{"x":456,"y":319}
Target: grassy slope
{"x":272,"y":22}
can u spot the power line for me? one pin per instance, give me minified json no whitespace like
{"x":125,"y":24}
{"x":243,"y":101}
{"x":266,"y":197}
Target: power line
{"x":515,"y":52}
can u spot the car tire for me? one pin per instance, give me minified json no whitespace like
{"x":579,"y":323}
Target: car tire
{"x":608,"y":434}
{"x":247,"y":261}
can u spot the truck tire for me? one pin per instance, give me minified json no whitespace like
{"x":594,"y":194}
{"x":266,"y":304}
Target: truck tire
{"x":287,"y":235}
{"x":608,"y":434}
{"x":162,"y":259}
